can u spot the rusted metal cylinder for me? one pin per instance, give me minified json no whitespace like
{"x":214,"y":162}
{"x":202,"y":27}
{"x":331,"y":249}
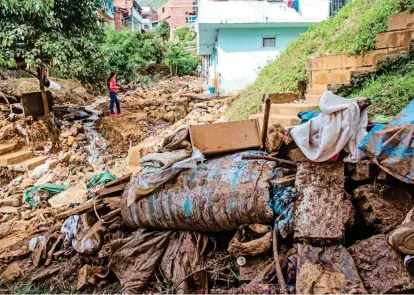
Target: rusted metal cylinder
{"x":221,"y":194}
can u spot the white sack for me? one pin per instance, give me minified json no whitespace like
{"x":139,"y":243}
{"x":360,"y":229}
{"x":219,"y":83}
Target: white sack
{"x":339,"y":126}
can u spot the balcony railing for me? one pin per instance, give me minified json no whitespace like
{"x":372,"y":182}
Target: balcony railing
{"x":335,"y":5}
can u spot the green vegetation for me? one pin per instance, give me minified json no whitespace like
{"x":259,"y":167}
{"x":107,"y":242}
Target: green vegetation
{"x":164,"y":31}
{"x":352,"y":30}
{"x":179,"y":61}
{"x":70,"y":38}
{"x":184,"y":35}
{"x":390,"y":88}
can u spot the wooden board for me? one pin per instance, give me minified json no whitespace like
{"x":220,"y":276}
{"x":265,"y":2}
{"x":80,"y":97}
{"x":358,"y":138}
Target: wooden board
{"x":212,"y":139}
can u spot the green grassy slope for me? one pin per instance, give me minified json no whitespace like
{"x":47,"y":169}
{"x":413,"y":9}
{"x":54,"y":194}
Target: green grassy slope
{"x":390,"y":88}
{"x":352,"y":30}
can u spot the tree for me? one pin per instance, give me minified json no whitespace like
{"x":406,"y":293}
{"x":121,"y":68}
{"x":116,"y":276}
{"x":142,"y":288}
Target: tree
{"x":179,"y":60}
{"x":38,"y":34}
{"x":164,"y":31}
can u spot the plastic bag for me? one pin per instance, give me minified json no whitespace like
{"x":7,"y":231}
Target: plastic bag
{"x":142,"y":184}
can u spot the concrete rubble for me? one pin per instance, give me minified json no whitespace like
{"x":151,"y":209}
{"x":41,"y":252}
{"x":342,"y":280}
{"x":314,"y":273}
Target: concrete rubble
{"x":312,"y":228}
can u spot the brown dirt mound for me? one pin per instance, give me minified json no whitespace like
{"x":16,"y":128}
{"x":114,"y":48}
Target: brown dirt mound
{"x":72,"y":91}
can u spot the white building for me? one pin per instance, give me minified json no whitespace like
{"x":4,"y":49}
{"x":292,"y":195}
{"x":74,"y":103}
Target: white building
{"x":238,"y":38}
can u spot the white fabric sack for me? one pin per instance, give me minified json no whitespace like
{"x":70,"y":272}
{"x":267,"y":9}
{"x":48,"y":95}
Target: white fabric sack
{"x":341,"y":125}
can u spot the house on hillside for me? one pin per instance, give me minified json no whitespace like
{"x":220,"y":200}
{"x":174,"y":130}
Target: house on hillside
{"x":236,"y":39}
{"x":178,"y":13}
{"x":127,"y":15}
{"x":148,"y":17}
{"x":107,"y":11}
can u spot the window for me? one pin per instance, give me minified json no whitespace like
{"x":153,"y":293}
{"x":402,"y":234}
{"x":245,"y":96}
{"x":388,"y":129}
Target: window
{"x":269,"y":42}
{"x":163,"y":9}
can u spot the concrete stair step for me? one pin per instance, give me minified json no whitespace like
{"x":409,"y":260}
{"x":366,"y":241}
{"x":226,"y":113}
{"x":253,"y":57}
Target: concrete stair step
{"x":28,"y":164}
{"x":284,"y":120}
{"x":317,"y":89}
{"x":14,"y":157}
{"x":292,"y":109}
{"x":6,"y":148}
{"x":313,"y":99}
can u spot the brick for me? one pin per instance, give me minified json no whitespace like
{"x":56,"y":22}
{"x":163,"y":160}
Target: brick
{"x":382,"y":40}
{"x":401,"y":21}
{"x":340,"y":77}
{"x":371,"y":57}
{"x":394,"y":39}
{"x":317,"y":89}
{"x":332,"y":62}
{"x":395,"y":50}
{"x":317,"y":64}
{"x":352,"y":61}
{"x":397,"y":21}
{"x":320,"y":77}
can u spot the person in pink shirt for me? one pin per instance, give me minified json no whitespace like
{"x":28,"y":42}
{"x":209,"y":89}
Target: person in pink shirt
{"x":113,"y":88}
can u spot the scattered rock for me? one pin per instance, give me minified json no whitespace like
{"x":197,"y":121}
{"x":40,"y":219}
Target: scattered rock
{"x":274,"y":137}
{"x":71,"y":140}
{"x":12,"y":272}
{"x":26,"y":183}
{"x":381,"y":267}
{"x":361,"y":171}
{"x":170,"y":117}
{"x":211,"y":103}
{"x":73,"y":195}
{"x":84,"y":274}
{"x":201,"y":105}
{"x":383,"y":207}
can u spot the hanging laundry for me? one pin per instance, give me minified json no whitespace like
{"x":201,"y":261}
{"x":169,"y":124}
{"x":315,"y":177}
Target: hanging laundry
{"x":295,"y":5}
{"x":290,"y":3}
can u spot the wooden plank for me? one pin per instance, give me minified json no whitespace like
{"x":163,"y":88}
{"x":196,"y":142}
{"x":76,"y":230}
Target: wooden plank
{"x":122,"y":179}
{"x":284,"y":181}
{"x":218,"y":138}
{"x":106,"y":191}
{"x":83,"y":208}
{"x":322,"y":209}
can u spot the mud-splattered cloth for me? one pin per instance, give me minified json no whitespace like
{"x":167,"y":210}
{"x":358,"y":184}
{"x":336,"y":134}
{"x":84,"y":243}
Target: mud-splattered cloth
{"x":391,"y":146}
{"x":178,"y":253}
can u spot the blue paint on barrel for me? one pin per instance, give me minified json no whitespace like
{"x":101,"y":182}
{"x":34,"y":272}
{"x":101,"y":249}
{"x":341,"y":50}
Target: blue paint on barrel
{"x":188,"y":206}
{"x":230,"y":206}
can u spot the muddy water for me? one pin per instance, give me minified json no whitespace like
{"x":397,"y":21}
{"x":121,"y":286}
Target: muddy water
{"x":98,"y":145}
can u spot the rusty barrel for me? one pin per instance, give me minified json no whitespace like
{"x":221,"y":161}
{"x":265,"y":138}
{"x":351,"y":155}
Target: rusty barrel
{"x":221,"y":194}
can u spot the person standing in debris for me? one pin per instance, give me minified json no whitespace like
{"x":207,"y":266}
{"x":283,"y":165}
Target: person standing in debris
{"x":113,"y":88}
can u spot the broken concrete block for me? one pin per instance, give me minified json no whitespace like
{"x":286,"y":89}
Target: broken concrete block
{"x":12,"y":272}
{"x":322,"y":210}
{"x":73,"y":195}
{"x":383,"y":207}
{"x":380,"y":266}
{"x":84,"y":274}
{"x":327,"y":270}
{"x":26,"y":183}
{"x":363,"y":170}
{"x":275,"y":135}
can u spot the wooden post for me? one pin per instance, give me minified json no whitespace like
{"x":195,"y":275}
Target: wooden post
{"x":265,"y":120}
{"x":41,"y":77}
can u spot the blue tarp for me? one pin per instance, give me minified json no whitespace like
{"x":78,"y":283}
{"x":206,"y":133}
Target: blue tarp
{"x":391,"y":146}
